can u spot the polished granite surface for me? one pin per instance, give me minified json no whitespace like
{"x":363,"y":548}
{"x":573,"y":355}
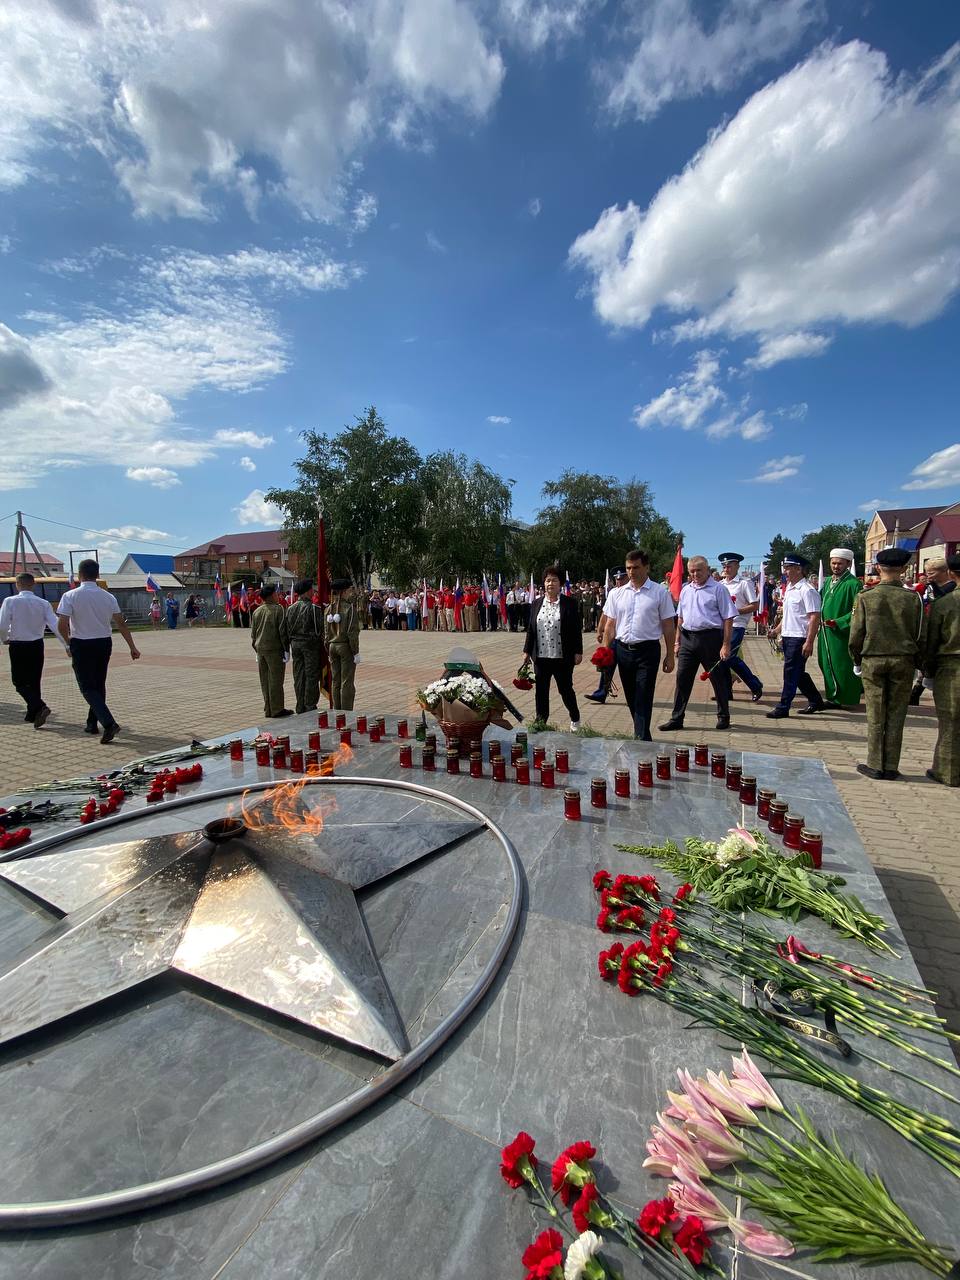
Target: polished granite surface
{"x":177,"y":1070}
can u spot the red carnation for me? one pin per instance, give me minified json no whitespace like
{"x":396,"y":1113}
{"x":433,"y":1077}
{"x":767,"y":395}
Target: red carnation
{"x":655,"y":1215}
{"x":571,"y":1169}
{"x":603,"y":920}
{"x":692,"y":1240}
{"x":684,"y":891}
{"x":609,"y":898}
{"x":524,"y":684}
{"x":625,"y":983}
{"x":608,"y":962}
{"x":667,"y":916}
{"x":601,"y":879}
{"x":517,"y":1160}
{"x":544,"y":1255}
{"x":663,"y":971}
{"x":631,"y":918}
{"x":583,"y":1205}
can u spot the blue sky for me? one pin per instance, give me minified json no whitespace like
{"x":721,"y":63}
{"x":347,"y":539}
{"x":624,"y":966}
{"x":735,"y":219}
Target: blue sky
{"x":714,"y":246}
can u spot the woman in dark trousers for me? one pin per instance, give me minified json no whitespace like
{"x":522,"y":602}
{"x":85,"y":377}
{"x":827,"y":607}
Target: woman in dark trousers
{"x":555,"y":643}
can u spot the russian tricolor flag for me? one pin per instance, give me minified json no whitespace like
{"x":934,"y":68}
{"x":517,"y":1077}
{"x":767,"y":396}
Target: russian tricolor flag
{"x":457,"y":605}
{"x":151,"y":585}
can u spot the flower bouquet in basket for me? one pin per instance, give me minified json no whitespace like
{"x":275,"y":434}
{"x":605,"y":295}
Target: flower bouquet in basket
{"x":465,"y":700}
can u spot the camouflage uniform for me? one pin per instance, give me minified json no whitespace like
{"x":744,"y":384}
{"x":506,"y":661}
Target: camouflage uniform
{"x":268,"y":635}
{"x":343,"y":644}
{"x":887,"y":635}
{"x":305,"y":629}
{"x":942,"y":663}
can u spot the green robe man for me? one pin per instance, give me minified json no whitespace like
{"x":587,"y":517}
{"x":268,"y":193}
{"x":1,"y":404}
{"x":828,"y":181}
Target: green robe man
{"x":840,"y":591}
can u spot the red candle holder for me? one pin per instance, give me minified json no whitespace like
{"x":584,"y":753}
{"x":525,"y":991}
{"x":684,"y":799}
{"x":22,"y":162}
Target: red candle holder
{"x":598,"y":793}
{"x":495,"y":748}
{"x":323,"y":720}
{"x":645,"y":773}
{"x":571,"y":805}
{"x":361,"y":724}
{"x":340,"y":720}
{"x":476,"y":764}
{"x":453,"y":762}
{"x":262,"y":754}
{"x":546,"y":776}
{"x":516,"y":753}
{"x":328,"y":766}
{"x":778,"y":813}
{"x":811,"y":842}
{"x":681,"y":760}
{"x":311,"y":762}
{"x":621,"y":782}
{"x":523,"y":772}
{"x":279,"y":758}
{"x":748,"y":790}
{"x":539,"y":755}
{"x":236,"y":749}
{"x":718,"y":764}
{"x":406,"y":757}
{"x":764,"y":798}
{"x":453,"y":746}
{"x":734,"y":774}
{"x":663,"y":768}
{"x":522,"y":738}
{"x":381,"y":724}
{"x":375,"y":733}
{"x":701,"y":754}
{"x":296,"y":761}
{"x":429,"y":761}
{"x":563,"y":760}
{"x":313,"y":741}
{"x":346,"y":737}
{"x":283,"y":742}
{"x":430,"y":742}
{"x":792,"y":831}
{"x":499,"y":767}
{"x":403,"y":729}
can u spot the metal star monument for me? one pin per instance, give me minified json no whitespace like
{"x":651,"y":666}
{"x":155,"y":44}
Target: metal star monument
{"x":259,"y":911}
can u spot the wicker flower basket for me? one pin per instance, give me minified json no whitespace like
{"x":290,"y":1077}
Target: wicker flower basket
{"x":459,"y":721}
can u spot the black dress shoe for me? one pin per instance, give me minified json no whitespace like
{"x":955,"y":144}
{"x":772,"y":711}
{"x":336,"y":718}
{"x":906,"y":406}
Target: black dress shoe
{"x":870,"y":773}
{"x":596,"y":697}
{"x":91,"y":728}
{"x":723,"y":722}
{"x":669,"y":725}
{"x":755,"y":697}
{"x":278,"y":715}
{"x":42,"y":716}
{"x":778,"y":713}
{"x":109,"y":733}
{"x":810,"y":709}
{"x":892,"y":775}
{"x":28,"y":718}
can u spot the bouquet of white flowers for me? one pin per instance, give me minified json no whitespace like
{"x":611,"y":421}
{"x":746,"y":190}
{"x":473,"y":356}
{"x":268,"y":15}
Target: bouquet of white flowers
{"x":471,"y":692}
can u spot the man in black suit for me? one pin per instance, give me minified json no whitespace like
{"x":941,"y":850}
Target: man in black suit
{"x":555,"y":643}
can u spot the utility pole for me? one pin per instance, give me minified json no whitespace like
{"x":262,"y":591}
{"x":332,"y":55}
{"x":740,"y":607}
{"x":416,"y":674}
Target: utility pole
{"x":20,"y":539}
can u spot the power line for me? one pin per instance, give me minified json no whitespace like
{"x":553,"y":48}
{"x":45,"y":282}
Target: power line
{"x":97,"y":533}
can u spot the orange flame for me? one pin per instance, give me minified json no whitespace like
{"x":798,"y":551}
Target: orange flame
{"x":281,"y":806}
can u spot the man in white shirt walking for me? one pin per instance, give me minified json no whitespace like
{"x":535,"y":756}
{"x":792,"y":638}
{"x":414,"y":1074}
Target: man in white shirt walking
{"x":23,"y":620}
{"x":797,"y":628}
{"x":635,"y":616}
{"x":743,"y":593}
{"x":87,"y":616}
{"x":705,"y":612}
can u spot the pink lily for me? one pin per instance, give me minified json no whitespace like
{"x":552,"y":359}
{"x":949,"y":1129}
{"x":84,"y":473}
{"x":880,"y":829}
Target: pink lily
{"x":695,"y":1091}
{"x":744,"y":835}
{"x":680,"y":1108}
{"x":691,"y":1197}
{"x":669,"y":1144}
{"x":719,"y":1091}
{"x":716,"y":1144}
{"x":751,"y":1086}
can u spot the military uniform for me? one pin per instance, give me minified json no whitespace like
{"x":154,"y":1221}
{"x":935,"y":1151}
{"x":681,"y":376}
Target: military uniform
{"x":268,"y":635}
{"x":342,"y":634}
{"x":305,"y":630}
{"x":942,"y":663}
{"x":887,"y":638}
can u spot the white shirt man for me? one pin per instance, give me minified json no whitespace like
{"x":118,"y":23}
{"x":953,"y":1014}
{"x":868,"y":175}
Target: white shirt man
{"x":706,"y":615}
{"x":635,"y":616}
{"x":23,"y":621}
{"x":743,"y":593}
{"x":798,"y":627}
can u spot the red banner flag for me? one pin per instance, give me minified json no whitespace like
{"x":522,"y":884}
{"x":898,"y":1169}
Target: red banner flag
{"x":675,"y":577}
{"x":323,"y":568}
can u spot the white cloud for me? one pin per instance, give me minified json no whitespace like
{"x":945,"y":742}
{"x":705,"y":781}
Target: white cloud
{"x":535,"y":23}
{"x":6,"y":244}
{"x":248,"y":464}
{"x":499,"y":418}
{"x":677,"y":57}
{"x":364,"y":212}
{"x":249,"y":439}
{"x":830,"y":197}
{"x":114,"y":382}
{"x":435,"y":243}
{"x":534,"y":206}
{"x":793,"y":412}
{"x":755,"y":427}
{"x":159,"y":477}
{"x":875,"y":504}
{"x":777,"y":469}
{"x":940,"y":471}
{"x":255,"y":509}
{"x":280,"y":270}
{"x":685,"y":405}
{"x":188,"y":102}
{"x":787,"y":346}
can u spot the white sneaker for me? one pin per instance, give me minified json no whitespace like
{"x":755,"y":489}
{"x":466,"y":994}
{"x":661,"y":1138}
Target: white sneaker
{"x":574,"y":726}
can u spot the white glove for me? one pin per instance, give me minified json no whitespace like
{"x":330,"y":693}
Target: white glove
{"x":333,"y":617}
{"x":856,"y":668}
{"x":927,"y":682}
{"x":286,"y":658}
{"x":356,"y":659}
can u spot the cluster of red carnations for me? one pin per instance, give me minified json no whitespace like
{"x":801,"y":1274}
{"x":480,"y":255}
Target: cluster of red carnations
{"x":574,"y":1182}
{"x":94,"y":809}
{"x":167,"y":781}
{"x":13,"y":839}
{"x":622,"y":903}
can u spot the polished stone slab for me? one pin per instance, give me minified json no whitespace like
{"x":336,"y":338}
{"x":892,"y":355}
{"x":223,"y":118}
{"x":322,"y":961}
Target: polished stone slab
{"x":174,"y":1074}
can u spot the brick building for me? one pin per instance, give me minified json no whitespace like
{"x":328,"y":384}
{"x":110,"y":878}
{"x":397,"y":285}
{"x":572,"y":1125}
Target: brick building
{"x":899,"y":527}
{"x":238,"y":557}
{"x":50,"y":566}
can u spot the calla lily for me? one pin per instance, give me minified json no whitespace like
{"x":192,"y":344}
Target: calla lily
{"x":751,"y":1086}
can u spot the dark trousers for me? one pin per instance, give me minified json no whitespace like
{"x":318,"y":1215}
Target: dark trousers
{"x":638,"y":665}
{"x":701,"y":649}
{"x":90,"y":661}
{"x":795,"y":674}
{"x":737,"y":664}
{"x":493,"y":617}
{"x":561,"y":670}
{"x":26,"y":668}
{"x":513,"y":616}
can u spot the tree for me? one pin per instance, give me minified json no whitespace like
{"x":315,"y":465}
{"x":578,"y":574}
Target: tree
{"x":592,"y":521}
{"x":817,"y":544}
{"x":368,"y":483}
{"x":466,"y":514}
{"x":780,"y":547}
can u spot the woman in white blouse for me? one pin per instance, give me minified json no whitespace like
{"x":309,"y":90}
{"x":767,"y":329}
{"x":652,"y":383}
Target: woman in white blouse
{"x":555,"y":643}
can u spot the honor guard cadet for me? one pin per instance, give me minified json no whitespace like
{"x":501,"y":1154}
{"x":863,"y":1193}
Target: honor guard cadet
{"x":342,"y":634}
{"x":887,"y":640}
{"x":268,"y":635}
{"x":942,"y":665}
{"x":307,"y":651}
{"x":840,"y":591}
{"x":797,"y":628}
{"x":744,"y":594}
